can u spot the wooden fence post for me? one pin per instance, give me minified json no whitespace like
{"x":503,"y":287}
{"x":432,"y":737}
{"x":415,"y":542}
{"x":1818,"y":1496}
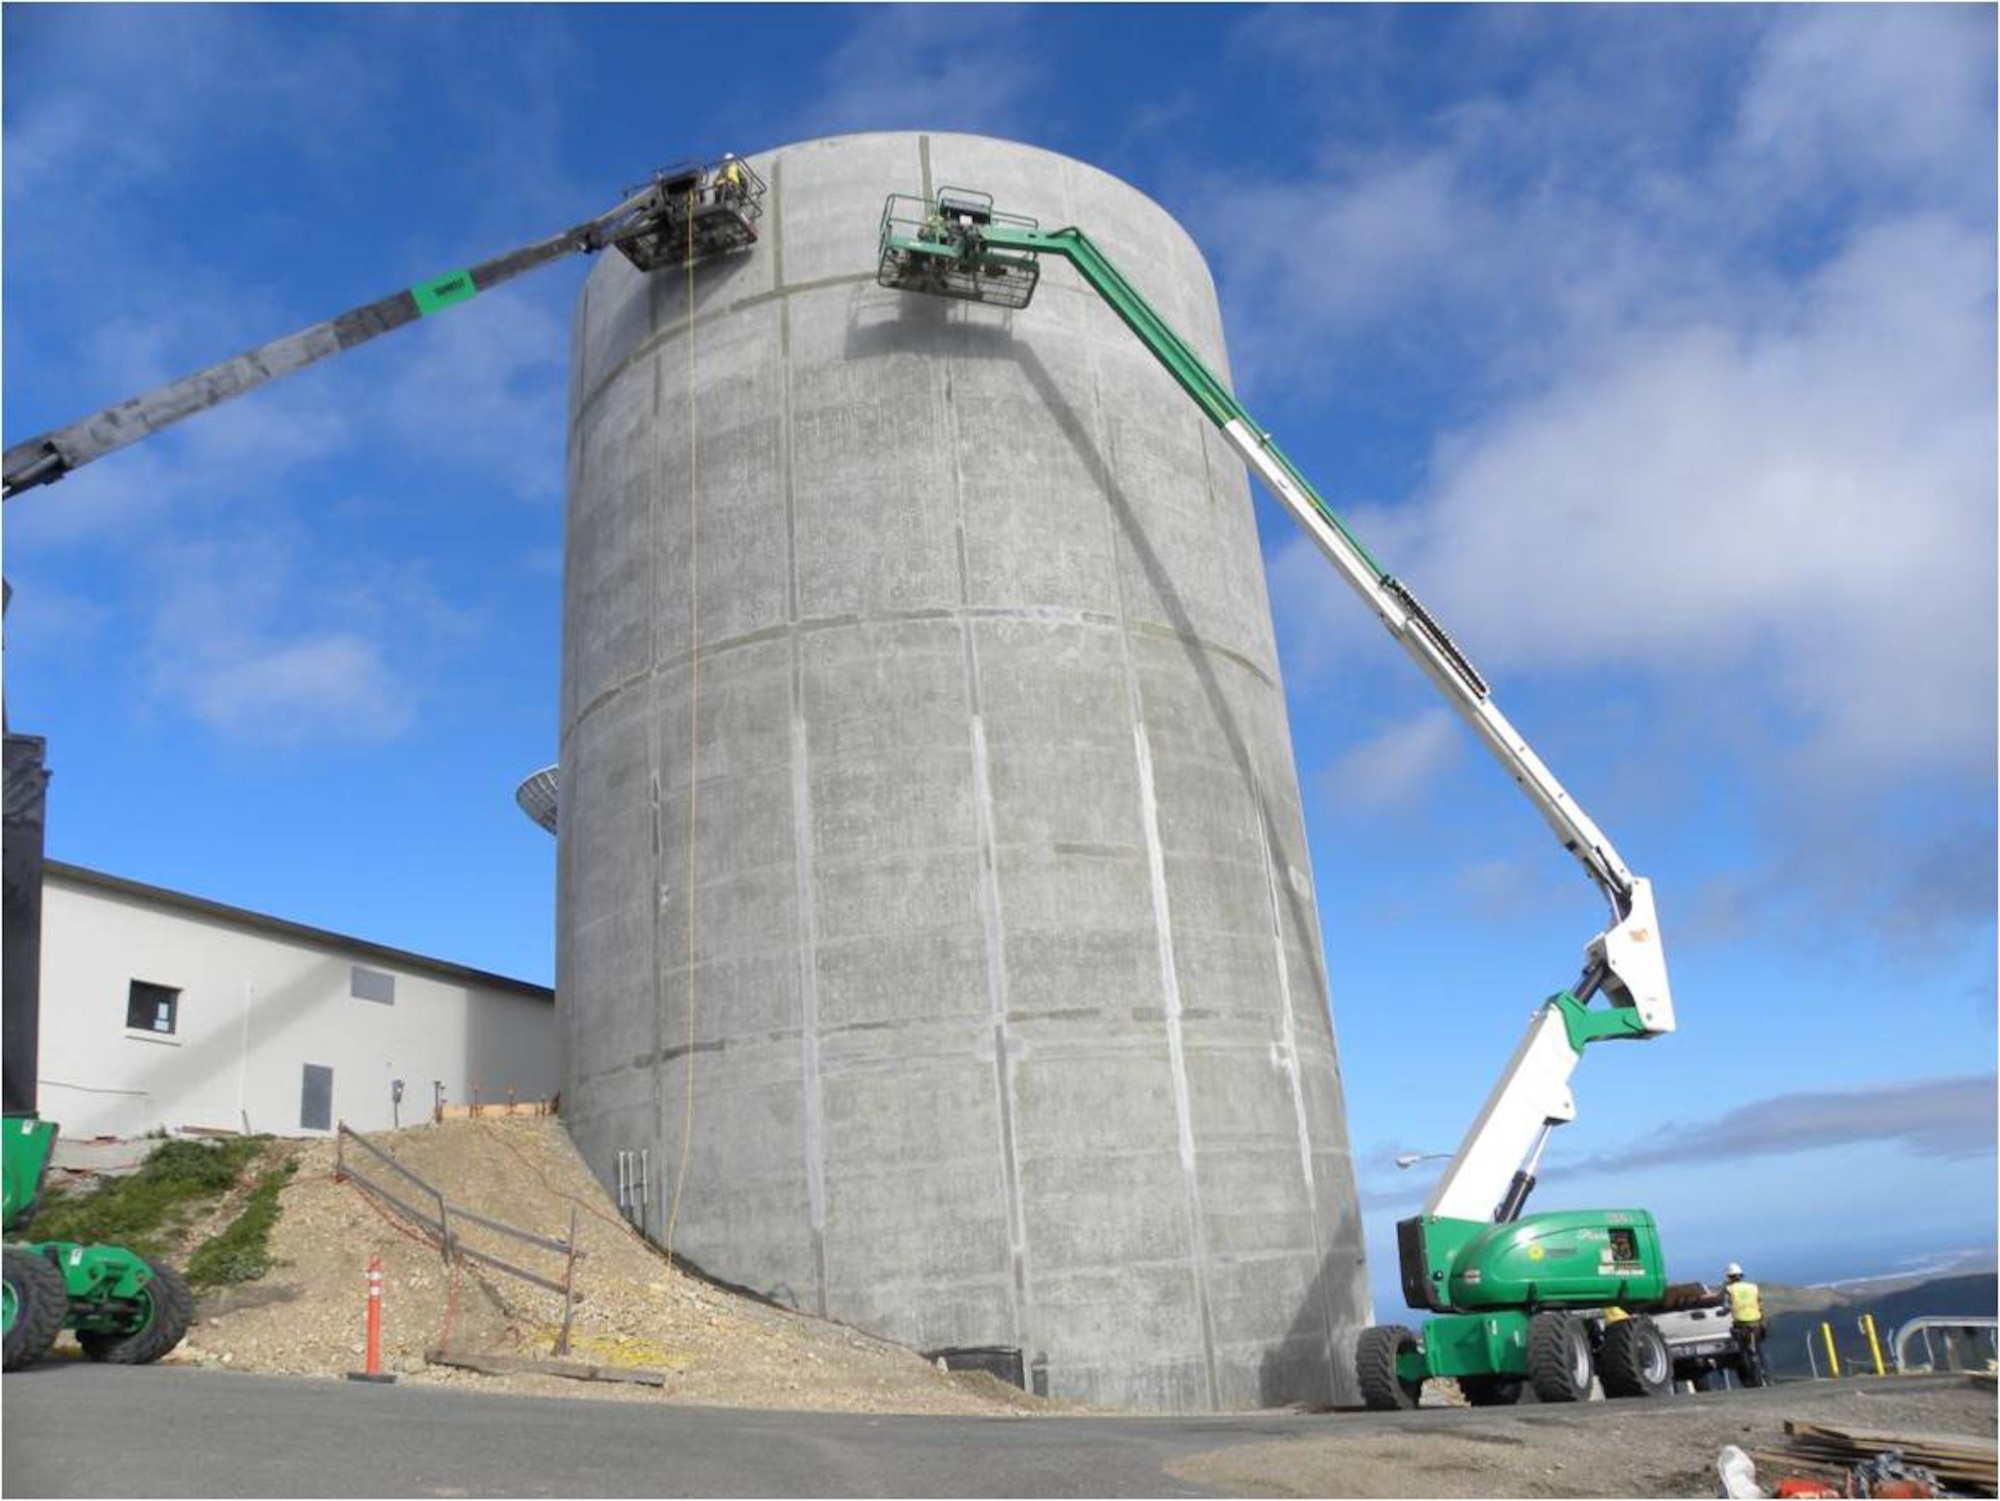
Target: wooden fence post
{"x":569,"y":1286}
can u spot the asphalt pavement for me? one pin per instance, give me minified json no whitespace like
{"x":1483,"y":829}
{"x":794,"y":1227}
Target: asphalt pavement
{"x":76,"y":1429}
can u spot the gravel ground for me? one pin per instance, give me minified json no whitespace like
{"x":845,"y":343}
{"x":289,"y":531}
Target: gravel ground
{"x":634,"y":1309}
{"x":1598,"y":1449}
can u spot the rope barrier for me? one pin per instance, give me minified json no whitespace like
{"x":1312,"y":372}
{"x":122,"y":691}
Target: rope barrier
{"x":554,"y":1192}
{"x":450,"y":1307}
{"x":429,"y":1243}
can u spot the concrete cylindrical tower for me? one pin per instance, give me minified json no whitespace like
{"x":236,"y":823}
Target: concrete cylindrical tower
{"x":1009,"y":1025}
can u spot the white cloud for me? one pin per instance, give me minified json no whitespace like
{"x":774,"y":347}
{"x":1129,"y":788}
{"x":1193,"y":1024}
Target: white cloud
{"x":929,"y":67}
{"x":1396,"y":766}
{"x":1502,"y":890}
{"x":181,"y":77}
{"x":1724,"y":432}
{"x":1948,"y":1117}
{"x":1872,"y":97}
{"x":1813,"y":501}
{"x":269,"y":642}
{"x":331,"y":687}
{"x":485,"y":388}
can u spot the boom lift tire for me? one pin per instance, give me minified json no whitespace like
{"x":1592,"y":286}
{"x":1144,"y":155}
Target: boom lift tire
{"x":1375,"y":1368}
{"x":37,"y":1303}
{"x":1491,"y":1391}
{"x":169,"y":1310}
{"x":1559,"y":1359}
{"x":1632,"y":1360}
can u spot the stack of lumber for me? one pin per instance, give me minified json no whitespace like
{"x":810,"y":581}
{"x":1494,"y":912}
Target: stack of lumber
{"x":477,"y":1110}
{"x":1965,"y":1465}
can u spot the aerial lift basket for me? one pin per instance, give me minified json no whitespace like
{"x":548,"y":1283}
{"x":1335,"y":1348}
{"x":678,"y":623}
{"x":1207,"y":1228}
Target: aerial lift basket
{"x":938,"y":247}
{"x":725,"y":200}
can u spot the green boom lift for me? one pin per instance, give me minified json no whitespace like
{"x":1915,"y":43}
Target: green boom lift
{"x":124,"y":1308}
{"x":1542,"y":1299}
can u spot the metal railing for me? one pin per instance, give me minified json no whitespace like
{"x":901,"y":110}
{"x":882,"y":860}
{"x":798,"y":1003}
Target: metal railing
{"x":1905,"y":1332}
{"x":635,"y":1187}
{"x":1837,"y":1366}
{"x":440,"y":1225}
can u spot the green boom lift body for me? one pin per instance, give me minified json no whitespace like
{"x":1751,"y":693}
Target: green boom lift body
{"x":1544,"y":1298}
{"x":123,"y":1307}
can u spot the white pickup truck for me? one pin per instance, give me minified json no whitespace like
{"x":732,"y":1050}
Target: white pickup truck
{"x":1701,"y":1337}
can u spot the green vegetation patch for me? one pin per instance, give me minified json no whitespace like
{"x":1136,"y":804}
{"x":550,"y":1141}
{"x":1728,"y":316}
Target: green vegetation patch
{"x":242,"y":1253}
{"x":144,"y":1210}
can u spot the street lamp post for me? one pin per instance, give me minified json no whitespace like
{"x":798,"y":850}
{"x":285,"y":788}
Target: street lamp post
{"x":1411,"y":1159}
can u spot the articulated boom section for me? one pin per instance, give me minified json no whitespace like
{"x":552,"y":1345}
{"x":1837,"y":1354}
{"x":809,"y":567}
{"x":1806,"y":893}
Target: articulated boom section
{"x":697,"y":210}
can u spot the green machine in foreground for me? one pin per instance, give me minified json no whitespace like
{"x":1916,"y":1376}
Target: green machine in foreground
{"x":1549,"y":1300}
{"x":125,"y":1309}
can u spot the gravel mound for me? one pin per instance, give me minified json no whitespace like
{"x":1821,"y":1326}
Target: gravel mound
{"x":1632,"y":1448}
{"x":634,"y":1309}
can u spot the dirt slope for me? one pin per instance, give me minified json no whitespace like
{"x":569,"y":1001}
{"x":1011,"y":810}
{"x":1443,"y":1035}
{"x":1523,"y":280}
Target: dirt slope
{"x":634,"y":1310}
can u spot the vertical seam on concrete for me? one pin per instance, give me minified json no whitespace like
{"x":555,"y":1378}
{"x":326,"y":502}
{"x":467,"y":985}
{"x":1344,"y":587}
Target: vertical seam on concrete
{"x":1156,"y":873}
{"x":815,"y":1142}
{"x":1293,"y":1078}
{"x":653,"y":603}
{"x":802,"y":831}
{"x":1213,"y":452}
{"x":993,"y":917}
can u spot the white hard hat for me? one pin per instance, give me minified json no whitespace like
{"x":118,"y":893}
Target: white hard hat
{"x":1732,"y":1270}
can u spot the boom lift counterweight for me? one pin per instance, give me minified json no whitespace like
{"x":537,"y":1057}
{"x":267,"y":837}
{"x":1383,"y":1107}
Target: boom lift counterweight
{"x":1515,"y":1294}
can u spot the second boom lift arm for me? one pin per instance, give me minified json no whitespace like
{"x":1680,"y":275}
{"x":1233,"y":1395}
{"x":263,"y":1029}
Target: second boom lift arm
{"x":693,"y":210}
{"x":958,"y":246}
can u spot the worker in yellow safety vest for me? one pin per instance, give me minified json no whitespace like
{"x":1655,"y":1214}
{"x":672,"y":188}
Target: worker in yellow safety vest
{"x":729,"y":180}
{"x":1746,"y":1320}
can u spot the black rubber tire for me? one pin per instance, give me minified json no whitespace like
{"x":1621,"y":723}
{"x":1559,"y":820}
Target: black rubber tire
{"x":1633,"y":1360}
{"x":41,"y":1303}
{"x":170,"y":1309}
{"x":1491,"y":1391}
{"x":1375,"y":1368}
{"x":1559,"y":1363}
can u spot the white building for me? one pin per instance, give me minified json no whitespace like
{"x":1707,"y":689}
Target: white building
{"x":162,"y":1009}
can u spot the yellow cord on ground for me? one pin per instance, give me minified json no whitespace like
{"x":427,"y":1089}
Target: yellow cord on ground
{"x":694,"y":729}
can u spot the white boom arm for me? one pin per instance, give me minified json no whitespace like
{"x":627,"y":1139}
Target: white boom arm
{"x":956,"y":245}
{"x":1626,"y":960}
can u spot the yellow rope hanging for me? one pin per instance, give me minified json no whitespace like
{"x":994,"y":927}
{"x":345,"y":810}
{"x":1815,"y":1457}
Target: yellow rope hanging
{"x":694,"y":728}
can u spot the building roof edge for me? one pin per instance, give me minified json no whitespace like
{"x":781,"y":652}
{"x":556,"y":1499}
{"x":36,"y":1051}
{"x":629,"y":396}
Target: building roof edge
{"x":263,"y":922}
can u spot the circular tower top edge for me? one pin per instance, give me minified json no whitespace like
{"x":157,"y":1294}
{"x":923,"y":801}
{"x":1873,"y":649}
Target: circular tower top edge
{"x":760,"y":157}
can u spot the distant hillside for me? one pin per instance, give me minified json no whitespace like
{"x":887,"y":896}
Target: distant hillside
{"x":1796,"y":1312}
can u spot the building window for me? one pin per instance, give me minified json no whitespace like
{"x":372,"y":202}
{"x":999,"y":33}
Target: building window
{"x":152,"y":1008}
{"x":372,"y":985}
{"x":316,"y":1099}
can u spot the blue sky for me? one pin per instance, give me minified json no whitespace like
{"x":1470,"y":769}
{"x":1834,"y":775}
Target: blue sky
{"x":1653,"y":345}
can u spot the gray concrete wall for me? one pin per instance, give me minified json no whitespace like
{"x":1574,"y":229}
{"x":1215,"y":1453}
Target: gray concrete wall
{"x":1009,"y":1022}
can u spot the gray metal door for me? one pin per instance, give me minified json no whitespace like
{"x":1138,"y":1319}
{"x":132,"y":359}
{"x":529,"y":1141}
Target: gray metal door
{"x":316,"y":1099}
